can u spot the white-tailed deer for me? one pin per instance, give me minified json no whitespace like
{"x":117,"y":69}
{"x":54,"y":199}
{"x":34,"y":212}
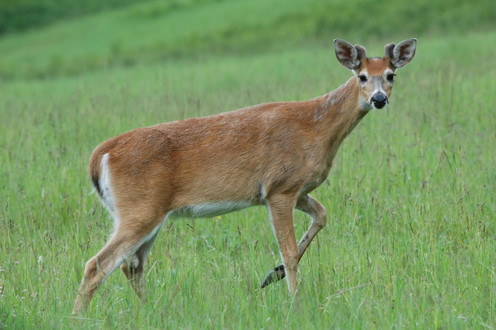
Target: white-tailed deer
{"x":271,"y":154}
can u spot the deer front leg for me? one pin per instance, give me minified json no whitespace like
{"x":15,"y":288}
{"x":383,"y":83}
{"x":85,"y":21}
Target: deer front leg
{"x":281,"y":215}
{"x":317,"y":212}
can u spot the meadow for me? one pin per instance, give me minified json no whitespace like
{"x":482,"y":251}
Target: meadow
{"x":410,"y":239}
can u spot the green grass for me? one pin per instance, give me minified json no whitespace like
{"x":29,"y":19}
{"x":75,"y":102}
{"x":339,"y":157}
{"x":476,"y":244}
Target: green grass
{"x":157,"y":31}
{"x":410,"y":240}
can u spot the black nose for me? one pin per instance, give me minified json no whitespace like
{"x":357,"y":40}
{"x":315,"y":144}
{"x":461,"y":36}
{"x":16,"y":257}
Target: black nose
{"x":379,"y":100}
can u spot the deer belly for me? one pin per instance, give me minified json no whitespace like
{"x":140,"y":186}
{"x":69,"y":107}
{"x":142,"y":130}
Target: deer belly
{"x":207,"y":210}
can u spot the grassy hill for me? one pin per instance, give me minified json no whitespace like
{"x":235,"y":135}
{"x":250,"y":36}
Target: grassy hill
{"x":155,"y":31}
{"x":411,"y":198}
{"x":23,"y":15}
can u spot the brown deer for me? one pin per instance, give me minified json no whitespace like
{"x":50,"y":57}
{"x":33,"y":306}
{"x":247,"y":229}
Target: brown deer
{"x":271,"y":154}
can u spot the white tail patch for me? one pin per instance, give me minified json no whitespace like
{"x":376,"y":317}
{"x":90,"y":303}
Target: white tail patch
{"x":107,"y":198}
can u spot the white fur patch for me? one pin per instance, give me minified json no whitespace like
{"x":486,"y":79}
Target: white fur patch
{"x":378,"y":87}
{"x":263,"y":193}
{"x":207,"y":210}
{"x":108,"y":198}
{"x":364,"y":104}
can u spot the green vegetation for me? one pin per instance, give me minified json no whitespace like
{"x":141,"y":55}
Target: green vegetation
{"x":155,"y":31}
{"x":410,"y":240}
{"x":21,"y":15}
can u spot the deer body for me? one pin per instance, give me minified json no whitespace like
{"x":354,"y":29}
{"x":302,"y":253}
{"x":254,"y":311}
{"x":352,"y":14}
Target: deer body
{"x":235,"y":157}
{"x":271,"y":154}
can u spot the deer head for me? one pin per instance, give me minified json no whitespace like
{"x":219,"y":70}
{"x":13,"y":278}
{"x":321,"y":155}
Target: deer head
{"x":375,"y":75}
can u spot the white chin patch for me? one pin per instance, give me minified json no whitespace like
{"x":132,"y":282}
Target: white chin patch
{"x":364,"y":105}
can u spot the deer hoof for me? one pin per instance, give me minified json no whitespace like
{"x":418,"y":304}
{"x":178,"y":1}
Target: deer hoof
{"x":274,"y":275}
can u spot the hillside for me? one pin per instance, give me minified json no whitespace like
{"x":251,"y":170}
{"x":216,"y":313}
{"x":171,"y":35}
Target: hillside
{"x":157,"y":31}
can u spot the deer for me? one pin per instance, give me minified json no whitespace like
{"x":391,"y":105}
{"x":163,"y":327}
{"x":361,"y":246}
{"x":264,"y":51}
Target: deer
{"x":271,"y":154}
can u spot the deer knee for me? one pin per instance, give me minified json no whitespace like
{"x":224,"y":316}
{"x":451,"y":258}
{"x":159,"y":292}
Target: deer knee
{"x":320,"y":218}
{"x":90,"y":269}
{"x":90,"y":277}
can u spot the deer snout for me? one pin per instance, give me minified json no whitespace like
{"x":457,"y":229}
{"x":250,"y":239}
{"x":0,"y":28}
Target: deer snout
{"x":379,"y":100}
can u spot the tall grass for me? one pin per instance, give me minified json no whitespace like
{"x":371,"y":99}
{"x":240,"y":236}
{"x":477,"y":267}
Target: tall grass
{"x":158,"y":31}
{"x":411,"y":199}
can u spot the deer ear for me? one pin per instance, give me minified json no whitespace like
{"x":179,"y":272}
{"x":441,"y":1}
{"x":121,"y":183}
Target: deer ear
{"x":402,"y":53}
{"x":388,"y":50}
{"x":348,"y":55}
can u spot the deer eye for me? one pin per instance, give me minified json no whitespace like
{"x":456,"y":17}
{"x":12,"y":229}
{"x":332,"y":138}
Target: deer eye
{"x":363,"y":78}
{"x":390,"y":77}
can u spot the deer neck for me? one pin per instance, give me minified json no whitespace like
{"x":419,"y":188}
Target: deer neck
{"x":338,"y":113}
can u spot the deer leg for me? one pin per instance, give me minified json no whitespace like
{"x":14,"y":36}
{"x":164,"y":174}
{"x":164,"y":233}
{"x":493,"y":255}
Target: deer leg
{"x":317,"y":212}
{"x":281,"y":214}
{"x":133,"y":268}
{"x":122,"y":245}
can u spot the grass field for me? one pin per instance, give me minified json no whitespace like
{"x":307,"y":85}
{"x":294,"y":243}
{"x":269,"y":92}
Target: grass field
{"x":410,"y":240}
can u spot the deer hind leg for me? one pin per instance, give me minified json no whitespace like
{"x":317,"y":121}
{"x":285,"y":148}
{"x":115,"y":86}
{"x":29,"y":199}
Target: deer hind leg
{"x":281,"y":213}
{"x":133,"y":268}
{"x":317,"y":212}
{"x":123,"y":245}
